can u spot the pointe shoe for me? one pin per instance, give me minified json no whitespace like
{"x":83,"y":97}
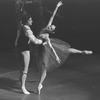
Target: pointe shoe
{"x":87,"y":52}
{"x":39,"y":88}
{"x":25,"y":91}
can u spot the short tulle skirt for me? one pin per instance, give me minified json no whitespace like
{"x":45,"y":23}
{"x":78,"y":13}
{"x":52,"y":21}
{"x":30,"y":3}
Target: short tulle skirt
{"x":46,"y":56}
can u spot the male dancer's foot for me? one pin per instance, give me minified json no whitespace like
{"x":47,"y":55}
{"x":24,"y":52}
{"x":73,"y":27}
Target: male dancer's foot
{"x":25,"y":91}
{"x":23,"y":79}
{"x":40,"y":86}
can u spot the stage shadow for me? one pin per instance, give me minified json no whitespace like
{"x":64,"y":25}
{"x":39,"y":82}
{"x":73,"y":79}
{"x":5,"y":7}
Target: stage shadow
{"x":13,"y":85}
{"x":8,"y":84}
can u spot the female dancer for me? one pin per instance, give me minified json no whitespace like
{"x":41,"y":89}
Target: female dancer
{"x":55,"y":51}
{"x":26,"y":37}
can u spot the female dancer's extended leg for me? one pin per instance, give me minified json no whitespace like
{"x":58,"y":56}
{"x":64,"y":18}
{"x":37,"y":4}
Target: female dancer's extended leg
{"x":72,"y":50}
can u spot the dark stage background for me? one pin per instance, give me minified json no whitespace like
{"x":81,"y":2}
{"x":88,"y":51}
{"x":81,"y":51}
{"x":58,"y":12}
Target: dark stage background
{"x":79,"y":24}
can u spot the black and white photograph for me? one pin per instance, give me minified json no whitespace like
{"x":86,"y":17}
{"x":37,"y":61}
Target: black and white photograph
{"x":49,"y":50}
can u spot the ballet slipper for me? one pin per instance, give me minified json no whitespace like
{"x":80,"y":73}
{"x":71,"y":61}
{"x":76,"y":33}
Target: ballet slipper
{"x":87,"y":52}
{"x":25,"y":91}
{"x":23,"y":87}
{"x":39,"y":88}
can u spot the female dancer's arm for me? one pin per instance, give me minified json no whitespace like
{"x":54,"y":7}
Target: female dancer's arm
{"x":46,"y":37}
{"x":54,"y":13}
{"x":57,"y":57}
{"x":48,"y":25}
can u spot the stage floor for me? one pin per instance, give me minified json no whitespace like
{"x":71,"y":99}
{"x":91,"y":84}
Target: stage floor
{"x":77,"y":79}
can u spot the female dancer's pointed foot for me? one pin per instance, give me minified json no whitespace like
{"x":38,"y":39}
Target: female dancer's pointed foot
{"x":39,"y":88}
{"x":25,"y":91}
{"x":87,"y":52}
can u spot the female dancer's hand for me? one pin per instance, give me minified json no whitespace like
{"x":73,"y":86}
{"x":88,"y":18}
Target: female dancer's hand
{"x":58,"y":59}
{"x":59,"y":4}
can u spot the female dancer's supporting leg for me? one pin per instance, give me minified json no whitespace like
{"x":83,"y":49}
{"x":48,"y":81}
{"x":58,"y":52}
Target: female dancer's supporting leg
{"x":43,"y":73}
{"x":26,"y":58}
